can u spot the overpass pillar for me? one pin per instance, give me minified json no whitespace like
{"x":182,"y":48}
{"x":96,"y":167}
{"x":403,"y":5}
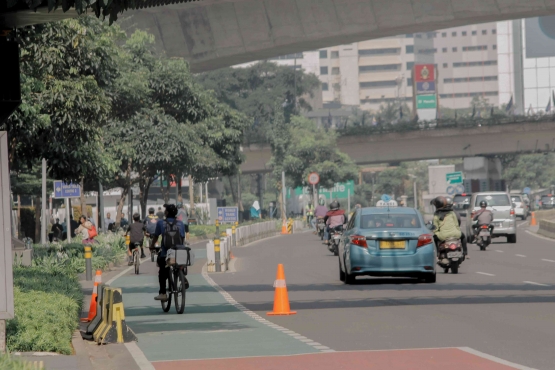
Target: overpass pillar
{"x":483,"y":174}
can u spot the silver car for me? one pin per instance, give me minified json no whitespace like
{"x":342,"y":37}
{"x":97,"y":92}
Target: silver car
{"x":504,"y":217}
{"x":522,"y":209}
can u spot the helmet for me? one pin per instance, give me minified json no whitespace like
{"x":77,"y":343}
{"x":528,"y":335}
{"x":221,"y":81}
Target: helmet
{"x":334,"y":205}
{"x":449,"y":201}
{"x":179,"y":205}
{"x":321,"y":202}
{"x":151,"y":210}
{"x":439,"y":202}
{"x":483,"y":204}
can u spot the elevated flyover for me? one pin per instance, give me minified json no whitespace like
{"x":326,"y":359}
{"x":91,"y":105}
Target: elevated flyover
{"x":430,"y":143}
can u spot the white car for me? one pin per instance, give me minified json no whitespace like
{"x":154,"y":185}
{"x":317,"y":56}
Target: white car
{"x":522,"y":209}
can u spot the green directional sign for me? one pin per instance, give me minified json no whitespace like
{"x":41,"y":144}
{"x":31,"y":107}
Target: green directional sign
{"x":426,"y":101}
{"x":454,"y":178}
{"x":340,"y":190}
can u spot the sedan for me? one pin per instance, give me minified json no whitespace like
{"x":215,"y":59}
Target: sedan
{"x":387,"y":241}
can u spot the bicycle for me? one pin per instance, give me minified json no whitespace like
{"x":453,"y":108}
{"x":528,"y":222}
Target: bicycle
{"x":177,"y":286}
{"x":136,"y":257}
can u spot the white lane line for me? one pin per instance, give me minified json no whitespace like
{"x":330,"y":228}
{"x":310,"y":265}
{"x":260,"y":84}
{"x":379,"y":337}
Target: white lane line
{"x":497,"y":250}
{"x":260,"y":319}
{"x":520,"y":255}
{"x":540,"y":236}
{"x":523,"y":224}
{"x":494,"y":359}
{"x":543,"y":259}
{"x":138,"y":356}
{"x":485,"y":273}
{"x":534,"y":283}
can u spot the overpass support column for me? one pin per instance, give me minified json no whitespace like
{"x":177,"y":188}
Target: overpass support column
{"x":483,"y":174}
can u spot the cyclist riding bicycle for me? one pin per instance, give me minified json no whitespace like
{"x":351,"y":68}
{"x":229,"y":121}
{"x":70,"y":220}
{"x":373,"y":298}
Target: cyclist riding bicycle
{"x":136,"y":236}
{"x":173,"y":229}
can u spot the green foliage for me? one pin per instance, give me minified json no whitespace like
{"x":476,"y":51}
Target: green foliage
{"x":391,"y":181}
{"x":362,"y":196}
{"x":532,"y":170}
{"x":11,"y":363}
{"x":46,"y":314}
{"x":257,"y":90}
{"x":313,"y":149}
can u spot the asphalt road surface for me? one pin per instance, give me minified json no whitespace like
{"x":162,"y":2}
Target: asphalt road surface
{"x":502,"y":302}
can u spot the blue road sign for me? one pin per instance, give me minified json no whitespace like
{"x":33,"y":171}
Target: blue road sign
{"x":228,"y":214}
{"x":527,"y":190}
{"x":386,"y":198}
{"x":63,"y":190}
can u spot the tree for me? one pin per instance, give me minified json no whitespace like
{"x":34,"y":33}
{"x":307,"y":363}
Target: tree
{"x":390,"y":113}
{"x":256,"y":90}
{"x":528,"y":170}
{"x":391,"y":181}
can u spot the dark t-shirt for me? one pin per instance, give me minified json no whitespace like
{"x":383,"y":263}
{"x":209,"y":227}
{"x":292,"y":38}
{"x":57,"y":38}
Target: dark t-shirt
{"x":136,"y":232}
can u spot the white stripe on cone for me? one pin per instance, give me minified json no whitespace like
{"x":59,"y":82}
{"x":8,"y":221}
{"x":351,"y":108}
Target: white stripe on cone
{"x":279,"y":284}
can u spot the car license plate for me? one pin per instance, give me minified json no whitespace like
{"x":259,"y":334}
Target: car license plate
{"x":336,"y":237}
{"x":454,"y":254}
{"x":484,"y":233}
{"x":499,"y":224}
{"x":392,"y":244}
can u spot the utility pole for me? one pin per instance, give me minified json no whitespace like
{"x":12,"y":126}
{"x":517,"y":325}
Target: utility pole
{"x":100,"y":207}
{"x":43,"y":212}
{"x":283,"y":190}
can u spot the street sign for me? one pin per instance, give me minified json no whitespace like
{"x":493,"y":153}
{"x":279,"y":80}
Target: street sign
{"x":228,"y":214}
{"x":340,"y":190}
{"x":313,"y":178}
{"x":63,"y":190}
{"x":426,"y":101}
{"x":527,"y":191}
{"x":454,"y":178}
{"x":426,"y":87}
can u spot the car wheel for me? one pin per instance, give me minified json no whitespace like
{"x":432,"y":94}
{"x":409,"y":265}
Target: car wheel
{"x":349,"y":279}
{"x":430,"y":278}
{"x":511,"y":238}
{"x":341,"y":273}
{"x":455,"y":268}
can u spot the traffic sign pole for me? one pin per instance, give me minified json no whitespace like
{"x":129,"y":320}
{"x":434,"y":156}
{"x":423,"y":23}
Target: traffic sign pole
{"x":43,"y":206}
{"x":68,"y":221}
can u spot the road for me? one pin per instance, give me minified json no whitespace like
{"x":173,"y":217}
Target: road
{"x":496,"y":313}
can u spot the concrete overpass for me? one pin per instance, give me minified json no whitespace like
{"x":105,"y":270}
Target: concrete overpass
{"x":217,"y":33}
{"x":528,"y":137}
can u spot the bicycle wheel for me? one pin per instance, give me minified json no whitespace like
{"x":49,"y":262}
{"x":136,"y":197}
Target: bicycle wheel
{"x":136,"y":261}
{"x":180,"y":289}
{"x":166,"y":305}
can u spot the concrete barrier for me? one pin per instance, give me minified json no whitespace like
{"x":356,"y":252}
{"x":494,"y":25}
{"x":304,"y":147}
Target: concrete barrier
{"x":547,"y":228}
{"x":111,"y":326}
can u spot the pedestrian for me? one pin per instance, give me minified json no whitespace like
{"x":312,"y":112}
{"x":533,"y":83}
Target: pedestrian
{"x":73,"y":226}
{"x":108,"y":221}
{"x":255,"y":210}
{"x":90,"y":218}
{"x":57,"y":230}
{"x":160,"y":213}
{"x":123,"y":222}
{"x":182,"y":214}
{"x":83,"y":229}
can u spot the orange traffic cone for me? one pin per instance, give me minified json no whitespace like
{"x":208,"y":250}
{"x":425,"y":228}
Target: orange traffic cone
{"x":281,"y":298}
{"x":284,"y":228}
{"x":533,"y":221}
{"x":92,"y":307}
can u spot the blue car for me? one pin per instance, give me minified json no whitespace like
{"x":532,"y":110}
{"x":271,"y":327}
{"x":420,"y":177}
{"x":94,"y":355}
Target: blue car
{"x":387,"y":241}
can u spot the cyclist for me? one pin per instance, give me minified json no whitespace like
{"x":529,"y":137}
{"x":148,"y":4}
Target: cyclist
{"x":136,"y":233}
{"x":164,"y":228}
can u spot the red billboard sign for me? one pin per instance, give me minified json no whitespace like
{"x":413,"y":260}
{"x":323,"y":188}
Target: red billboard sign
{"x":424,"y":72}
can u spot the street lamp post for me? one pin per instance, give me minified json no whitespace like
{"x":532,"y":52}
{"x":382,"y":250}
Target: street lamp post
{"x":414,"y":191}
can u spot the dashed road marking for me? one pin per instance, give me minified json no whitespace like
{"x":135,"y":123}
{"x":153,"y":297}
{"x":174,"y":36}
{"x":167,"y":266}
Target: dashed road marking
{"x":547,"y":260}
{"x":485,"y":273}
{"x":534,"y":283}
{"x":520,"y":255}
{"x":259,"y":318}
{"x":497,"y":250}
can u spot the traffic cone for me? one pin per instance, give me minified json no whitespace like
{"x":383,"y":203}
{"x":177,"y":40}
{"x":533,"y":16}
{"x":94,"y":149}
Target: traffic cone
{"x":284,"y":228}
{"x":92,"y":306}
{"x":533,"y":221}
{"x":281,"y":298}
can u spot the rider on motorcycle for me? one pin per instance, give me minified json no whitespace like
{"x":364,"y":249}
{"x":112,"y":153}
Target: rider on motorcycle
{"x":309,"y":211}
{"x":334,"y":219}
{"x":483,"y":216}
{"x":447,"y":225}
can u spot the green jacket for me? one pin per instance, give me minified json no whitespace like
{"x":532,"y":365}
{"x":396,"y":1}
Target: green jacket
{"x":448,"y":228}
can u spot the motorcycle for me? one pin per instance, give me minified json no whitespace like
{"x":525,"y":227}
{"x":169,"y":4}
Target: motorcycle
{"x":321,"y":226}
{"x":333,"y":246}
{"x":450,"y":255}
{"x":483,"y":236}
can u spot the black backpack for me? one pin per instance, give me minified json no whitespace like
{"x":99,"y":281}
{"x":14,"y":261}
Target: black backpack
{"x":172,"y":235}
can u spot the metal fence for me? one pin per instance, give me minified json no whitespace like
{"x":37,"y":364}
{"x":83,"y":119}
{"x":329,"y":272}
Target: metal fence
{"x":250,"y":233}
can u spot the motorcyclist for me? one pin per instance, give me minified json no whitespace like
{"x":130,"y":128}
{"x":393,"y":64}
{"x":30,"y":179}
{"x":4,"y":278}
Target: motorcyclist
{"x":483,"y":216}
{"x":320,"y":212}
{"x":334,"y":219}
{"x":451,"y":204}
{"x":309,"y":211}
{"x":446,"y":222}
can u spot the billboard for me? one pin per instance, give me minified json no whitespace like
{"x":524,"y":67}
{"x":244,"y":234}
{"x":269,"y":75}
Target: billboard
{"x":426,"y":101}
{"x":540,"y":37}
{"x":424,"y":72}
{"x":425,"y":91}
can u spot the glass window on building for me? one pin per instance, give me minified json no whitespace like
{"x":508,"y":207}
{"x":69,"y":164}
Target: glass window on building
{"x":445,"y":65}
{"x":444,"y":34}
{"x":454,"y":33}
{"x":484,"y":32}
{"x":384,"y":51}
{"x":409,"y":81}
{"x":334,"y":54}
{"x":409,"y":35}
{"x":464,"y":33}
{"x":474,"y":33}
{"x":325,"y":86}
{"x":494,"y":31}
{"x":323,"y":70}
{"x":378,"y":84}
{"x":494,"y":47}
{"x":409,"y":49}
{"x":410,"y":65}
{"x":323,"y":54}
{"x":444,"y":50}
{"x":335,"y":71}
{"x":454,"y":50}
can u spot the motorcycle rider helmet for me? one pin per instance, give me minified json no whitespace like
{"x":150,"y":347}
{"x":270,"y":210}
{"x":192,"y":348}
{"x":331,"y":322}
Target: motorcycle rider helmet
{"x":321,"y":202}
{"x":483,"y":204}
{"x":334,"y":205}
{"x":449,"y":201}
{"x":439,"y":202}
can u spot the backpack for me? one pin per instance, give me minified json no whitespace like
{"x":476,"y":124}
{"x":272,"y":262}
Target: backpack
{"x":150,"y":225}
{"x":172,"y":235}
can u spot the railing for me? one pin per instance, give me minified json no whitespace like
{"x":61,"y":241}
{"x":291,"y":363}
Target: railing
{"x":250,"y":233}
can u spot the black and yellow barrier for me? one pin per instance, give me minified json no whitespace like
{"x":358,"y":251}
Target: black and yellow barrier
{"x":98,"y":317}
{"x":108,"y":326}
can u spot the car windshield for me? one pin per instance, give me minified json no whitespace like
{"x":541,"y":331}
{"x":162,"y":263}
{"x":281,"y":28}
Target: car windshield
{"x":494,"y":200}
{"x":516,"y":199}
{"x":548,"y":199}
{"x":460,"y":201}
{"x":389,"y":221}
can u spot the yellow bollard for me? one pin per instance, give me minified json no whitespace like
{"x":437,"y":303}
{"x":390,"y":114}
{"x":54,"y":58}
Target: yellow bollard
{"x":217,"y":255}
{"x":88,"y":263}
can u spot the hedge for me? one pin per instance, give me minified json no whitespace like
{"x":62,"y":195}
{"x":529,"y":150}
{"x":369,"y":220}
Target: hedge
{"x":7,"y":362}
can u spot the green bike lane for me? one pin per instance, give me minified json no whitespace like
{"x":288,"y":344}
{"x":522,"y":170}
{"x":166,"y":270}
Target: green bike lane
{"x":210,"y":328}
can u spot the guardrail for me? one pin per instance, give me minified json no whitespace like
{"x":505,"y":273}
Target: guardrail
{"x":547,"y":228}
{"x":250,"y":233}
